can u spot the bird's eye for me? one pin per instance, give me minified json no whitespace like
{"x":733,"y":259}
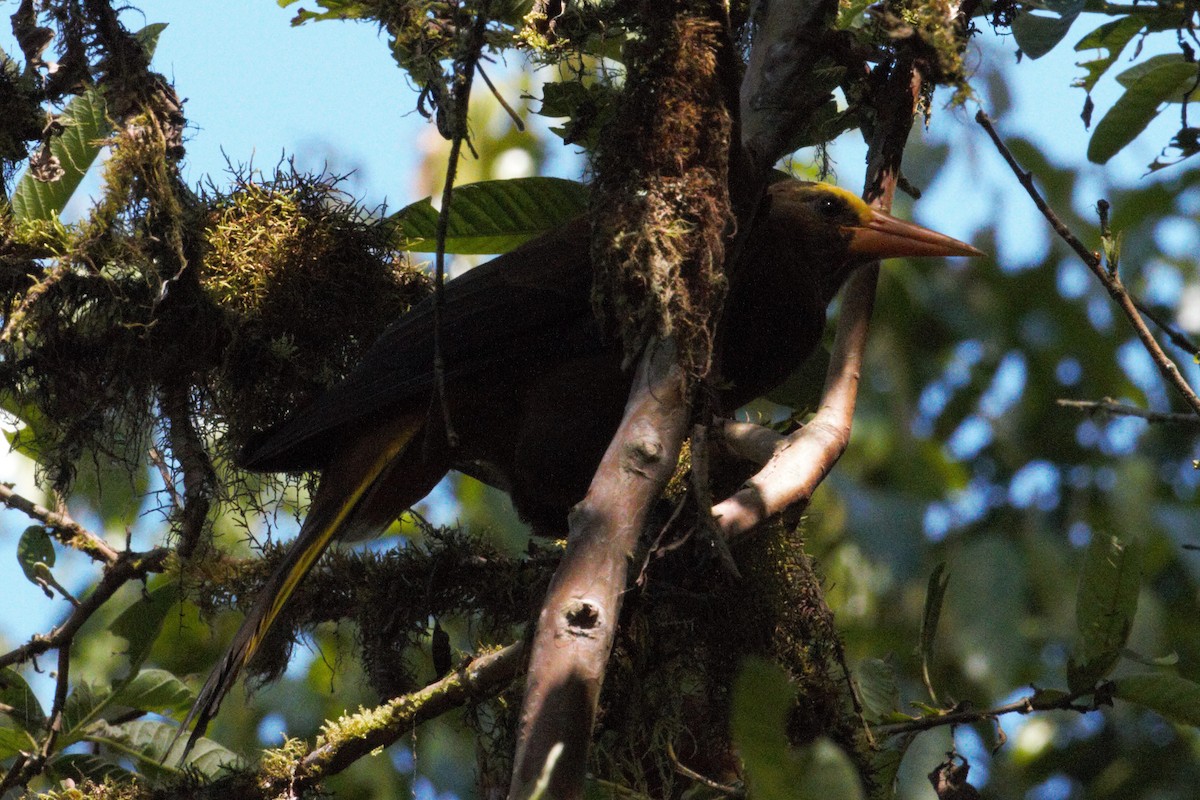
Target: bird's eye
{"x":829,"y":207}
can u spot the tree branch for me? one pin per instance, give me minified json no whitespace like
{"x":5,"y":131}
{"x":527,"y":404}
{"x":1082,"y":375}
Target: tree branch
{"x":65,"y":529}
{"x":356,"y":735}
{"x":1113,"y":408}
{"x":578,"y":621}
{"x":1109,"y":279}
{"x":801,"y":462}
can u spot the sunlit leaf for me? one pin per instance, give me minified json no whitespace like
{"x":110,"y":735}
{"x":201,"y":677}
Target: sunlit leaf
{"x":155,"y":690}
{"x":492,"y":216}
{"x":1140,"y":104}
{"x":155,"y":748}
{"x":35,"y":547}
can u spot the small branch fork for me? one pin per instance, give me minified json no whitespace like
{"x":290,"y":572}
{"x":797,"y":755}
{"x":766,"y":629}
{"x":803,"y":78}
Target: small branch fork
{"x":1109,"y":278}
{"x":119,"y":569}
{"x":798,"y":463}
{"x":1026,"y":705}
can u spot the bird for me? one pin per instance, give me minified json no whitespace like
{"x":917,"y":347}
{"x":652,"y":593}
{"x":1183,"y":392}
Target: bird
{"x":533,"y":388}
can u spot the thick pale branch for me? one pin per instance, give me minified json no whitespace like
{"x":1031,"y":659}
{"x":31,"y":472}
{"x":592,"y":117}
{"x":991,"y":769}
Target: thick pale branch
{"x":578,"y":620}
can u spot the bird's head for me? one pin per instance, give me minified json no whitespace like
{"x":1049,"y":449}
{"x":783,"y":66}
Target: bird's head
{"x":837,"y":229}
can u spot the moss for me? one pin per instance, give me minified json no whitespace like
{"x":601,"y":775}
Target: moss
{"x":661,"y":205}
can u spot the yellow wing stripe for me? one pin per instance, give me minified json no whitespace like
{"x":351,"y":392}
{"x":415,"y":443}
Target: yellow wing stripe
{"x":309,"y":555}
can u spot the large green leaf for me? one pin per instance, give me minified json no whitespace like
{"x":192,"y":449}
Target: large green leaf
{"x":1186,"y":90}
{"x":154,"y":746}
{"x":762,"y":698}
{"x":86,"y":126}
{"x":1140,"y":103}
{"x":1110,"y":37}
{"x":155,"y":690}
{"x":140,"y":623}
{"x":1037,"y":34}
{"x":491,"y":216}
{"x":18,"y":697}
{"x":1105,"y":605}
{"x":1176,"y":698}
{"x":86,"y":766}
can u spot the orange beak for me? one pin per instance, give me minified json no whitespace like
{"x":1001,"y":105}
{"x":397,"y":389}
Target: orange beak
{"x":884,"y":236}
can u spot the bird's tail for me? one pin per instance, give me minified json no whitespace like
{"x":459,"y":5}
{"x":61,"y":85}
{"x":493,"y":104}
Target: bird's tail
{"x":345,"y":484}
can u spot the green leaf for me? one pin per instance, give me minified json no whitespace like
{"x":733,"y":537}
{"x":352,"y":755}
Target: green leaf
{"x":1134,"y":109}
{"x":1170,"y":60}
{"x":492,"y":216}
{"x":935,"y":595}
{"x":877,"y":689}
{"x":155,"y":690}
{"x":16,"y":694}
{"x":1105,"y":605}
{"x":86,"y":126}
{"x":153,"y":745}
{"x":84,"y":705}
{"x":762,"y":698}
{"x":35,"y":547}
{"x":1111,"y":37}
{"x":86,"y":766}
{"x":140,"y":623}
{"x":1037,"y":34}
{"x":1176,"y":698}
{"x":14,"y":741}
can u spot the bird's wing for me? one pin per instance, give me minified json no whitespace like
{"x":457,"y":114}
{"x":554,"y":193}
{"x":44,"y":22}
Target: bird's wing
{"x":528,"y":305}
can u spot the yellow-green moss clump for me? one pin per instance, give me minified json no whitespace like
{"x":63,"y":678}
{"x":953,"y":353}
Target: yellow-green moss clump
{"x":305,"y":282}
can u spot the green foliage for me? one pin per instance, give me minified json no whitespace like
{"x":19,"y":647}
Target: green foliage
{"x":1148,"y":86}
{"x":774,"y":769}
{"x":491,"y":216}
{"x":1104,"y":607}
{"x":1038,"y":33}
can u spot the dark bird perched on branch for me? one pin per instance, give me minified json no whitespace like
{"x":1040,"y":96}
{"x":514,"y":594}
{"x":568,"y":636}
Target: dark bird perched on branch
{"x":533,"y":390}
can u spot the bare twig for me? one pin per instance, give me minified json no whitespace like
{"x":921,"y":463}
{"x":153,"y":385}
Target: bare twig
{"x":965,"y":716}
{"x":128,"y":566}
{"x":1111,"y":281}
{"x":517,"y":121}
{"x":688,"y":772}
{"x":65,"y":529}
{"x":1112,"y":407}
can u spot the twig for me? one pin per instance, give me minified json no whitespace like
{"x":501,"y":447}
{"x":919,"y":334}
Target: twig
{"x":1111,"y":281}
{"x":465,"y":73}
{"x":517,"y":121}
{"x":127,"y":567}
{"x":1178,"y":339}
{"x":688,"y":772}
{"x":1110,"y":406}
{"x":199,"y":476}
{"x":65,"y":529}
{"x":965,"y":716}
